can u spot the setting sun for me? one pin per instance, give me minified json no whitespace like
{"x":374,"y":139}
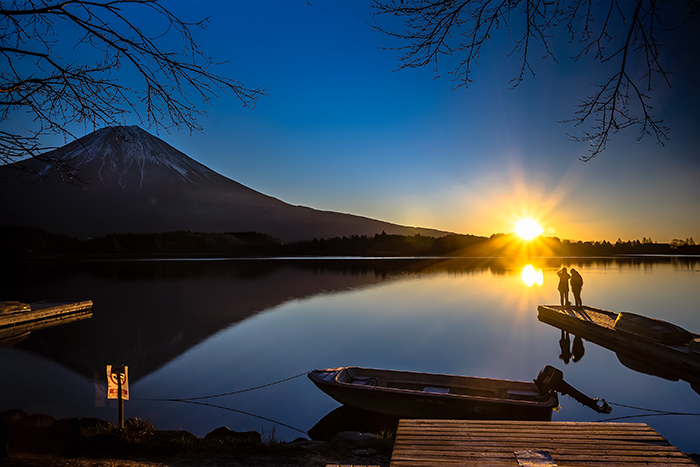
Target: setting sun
{"x":528,"y":229}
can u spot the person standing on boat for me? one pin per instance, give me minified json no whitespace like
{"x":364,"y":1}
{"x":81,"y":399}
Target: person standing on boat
{"x":564,"y":287}
{"x":576,"y":286}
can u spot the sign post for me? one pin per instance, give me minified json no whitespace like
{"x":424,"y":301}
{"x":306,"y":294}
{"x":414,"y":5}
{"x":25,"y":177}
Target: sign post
{"x":118,"y":388}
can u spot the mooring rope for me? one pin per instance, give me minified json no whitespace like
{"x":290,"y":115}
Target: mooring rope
{"x":194,"y":400}
{"x":186,"y":399}
{"x":641,"y":408}
{"x":241,"y":412}
{"x":655,"y":412}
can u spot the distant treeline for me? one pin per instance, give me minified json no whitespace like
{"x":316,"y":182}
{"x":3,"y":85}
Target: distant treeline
{"x":28,"y":242}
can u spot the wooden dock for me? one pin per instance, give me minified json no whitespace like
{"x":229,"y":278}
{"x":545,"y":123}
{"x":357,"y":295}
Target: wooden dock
{"x":16,"y":325}
{"x":444,"y":443}
{"x":641,"y":353}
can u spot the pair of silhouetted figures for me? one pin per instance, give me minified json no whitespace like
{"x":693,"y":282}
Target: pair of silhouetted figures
{"x":576,"y":286}
{"x":567,"y":351}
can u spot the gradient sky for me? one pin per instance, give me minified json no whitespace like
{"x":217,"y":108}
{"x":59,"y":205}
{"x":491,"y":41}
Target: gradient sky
{"x":341,"y":130}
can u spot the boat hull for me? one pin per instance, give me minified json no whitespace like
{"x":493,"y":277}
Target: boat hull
{"x":434,"y":396}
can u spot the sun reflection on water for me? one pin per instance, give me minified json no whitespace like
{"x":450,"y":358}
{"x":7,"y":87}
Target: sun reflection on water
{"x":532,"y":276}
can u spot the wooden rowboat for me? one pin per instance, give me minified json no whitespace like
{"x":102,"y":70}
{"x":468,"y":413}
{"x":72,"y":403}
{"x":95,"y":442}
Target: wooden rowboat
{"x":641,"y":343}
{"x":435,"y":396}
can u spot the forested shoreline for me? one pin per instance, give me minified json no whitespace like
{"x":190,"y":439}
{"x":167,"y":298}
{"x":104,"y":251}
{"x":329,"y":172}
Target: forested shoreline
{"x":29,"y":242}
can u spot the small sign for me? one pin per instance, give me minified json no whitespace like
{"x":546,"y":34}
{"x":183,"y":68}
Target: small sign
{"x":113,"y":382}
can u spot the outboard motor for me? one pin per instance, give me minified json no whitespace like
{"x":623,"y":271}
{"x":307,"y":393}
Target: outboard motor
{"x":552,"y":379}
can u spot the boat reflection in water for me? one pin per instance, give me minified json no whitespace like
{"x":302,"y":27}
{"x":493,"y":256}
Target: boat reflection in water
{"x":345,"y":418}
{"x":627,"y":348}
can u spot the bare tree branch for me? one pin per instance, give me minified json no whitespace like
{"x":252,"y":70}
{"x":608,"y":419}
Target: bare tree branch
{"x":56,"y":93}
{"x":436,"y":28}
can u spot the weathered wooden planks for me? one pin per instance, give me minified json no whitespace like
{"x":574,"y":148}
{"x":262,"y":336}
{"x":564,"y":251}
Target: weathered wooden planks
{"x":42,"y":315}
{"x":444,"y":443}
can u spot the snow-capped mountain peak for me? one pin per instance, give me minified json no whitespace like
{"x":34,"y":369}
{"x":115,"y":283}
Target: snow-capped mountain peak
{"x":131,"y":158}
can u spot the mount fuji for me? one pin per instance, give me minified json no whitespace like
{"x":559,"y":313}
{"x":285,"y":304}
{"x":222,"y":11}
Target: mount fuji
{"x":135,"y":182}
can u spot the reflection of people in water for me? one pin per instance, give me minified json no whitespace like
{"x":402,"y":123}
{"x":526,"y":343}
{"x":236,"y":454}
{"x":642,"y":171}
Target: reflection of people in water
{"x":565,"y":345}
{"x":578,"y":349}
{"x":564,"y":287}
{"x":576,"y":286}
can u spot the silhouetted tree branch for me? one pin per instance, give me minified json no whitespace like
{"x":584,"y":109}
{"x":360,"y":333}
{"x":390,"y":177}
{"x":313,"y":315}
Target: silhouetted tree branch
{"x":612,"y":31}
{"x":44,"y":77}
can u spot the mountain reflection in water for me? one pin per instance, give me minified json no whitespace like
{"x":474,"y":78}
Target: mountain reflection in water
{"x":148,"y":313}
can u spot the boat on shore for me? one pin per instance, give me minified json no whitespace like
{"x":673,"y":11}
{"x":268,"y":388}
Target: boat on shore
{"x":408,"y":394}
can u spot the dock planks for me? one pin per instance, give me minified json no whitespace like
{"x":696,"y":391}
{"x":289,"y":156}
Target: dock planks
{"x":444,"y":443}
{"x":42,"y":315}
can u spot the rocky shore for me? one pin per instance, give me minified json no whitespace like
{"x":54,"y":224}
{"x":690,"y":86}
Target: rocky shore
{"x":40,"y":440}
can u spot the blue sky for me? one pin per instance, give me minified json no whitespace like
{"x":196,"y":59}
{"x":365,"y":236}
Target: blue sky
{"x":341,"y":130}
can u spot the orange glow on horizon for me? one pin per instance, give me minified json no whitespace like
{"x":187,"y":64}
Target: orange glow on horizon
{"x":497,"y":203}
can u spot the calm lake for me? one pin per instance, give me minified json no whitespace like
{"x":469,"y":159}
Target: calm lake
{"x":197,"y":328}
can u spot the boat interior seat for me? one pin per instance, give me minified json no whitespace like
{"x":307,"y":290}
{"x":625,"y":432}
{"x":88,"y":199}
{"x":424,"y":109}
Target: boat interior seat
{"x":363,"y":381}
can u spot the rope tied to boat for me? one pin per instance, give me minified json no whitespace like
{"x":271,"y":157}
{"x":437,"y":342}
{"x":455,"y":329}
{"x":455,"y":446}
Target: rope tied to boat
{"x":213,"y":396}
{"x":654,"y":412}
{"x":242,"y":412}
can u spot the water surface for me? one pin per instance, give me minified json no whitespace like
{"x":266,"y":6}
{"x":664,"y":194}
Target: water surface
{"x":197,"y":328}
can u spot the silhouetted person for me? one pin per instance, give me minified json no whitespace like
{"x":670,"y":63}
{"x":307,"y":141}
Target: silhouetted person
{"x":578,"y":349}
{"x":565,"y":346}
{"x":564,"y":287}
{"x":576,"y":286}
